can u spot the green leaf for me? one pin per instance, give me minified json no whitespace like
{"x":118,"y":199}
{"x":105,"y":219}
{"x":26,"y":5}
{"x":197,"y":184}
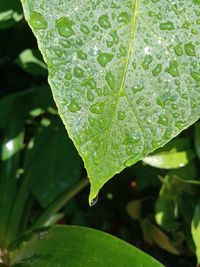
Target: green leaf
{"x":171,"y":160}
{"x":196,"y":230}
{"x":30,"y":60}
{"x":175,"y":184}
{"x":77,"y":246}
{"x":197,"y":139}
{"x":39,"y":101}
{"x":52,"y":162}
{"x":124,"y":74}
{"x":152,"y":234}
{"x":10,"y":13}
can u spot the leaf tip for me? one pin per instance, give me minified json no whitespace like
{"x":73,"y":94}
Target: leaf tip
{"x":93,"y":196}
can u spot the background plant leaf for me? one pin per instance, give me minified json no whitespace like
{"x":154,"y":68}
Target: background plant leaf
{"x":71,"y":246}
{"x":10,"y":13}
{"x":52,"y":162}
{"x":196,"y":230}
{"x":125,"y":75}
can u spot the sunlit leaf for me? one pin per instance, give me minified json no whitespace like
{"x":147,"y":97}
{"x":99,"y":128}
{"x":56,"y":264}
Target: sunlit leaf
{"x":10,"y":13}
{"x":125,"y":75}
{"x":30,"y":60}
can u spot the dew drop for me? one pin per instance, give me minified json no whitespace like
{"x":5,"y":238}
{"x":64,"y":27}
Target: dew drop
{"x":78,"y":72}
{"x":84,"y":29}
{"x":190,"y":49}
{"x":157,"y":70}
{"x":195,"y":76}
{"x":74,"y":106}
{"x":167,"y":26}
{"x":82,"y":55}
{"x":178,"y":50}
{"x":37,"y":21}
{"x":97,"y":108}
{"x":90,"y":96}
{"x":94,"y":201}
{"x":90,"y":82}
{"x":173,"y":68}
{"x":64,"y":26}
{"x":163,"y":120}
{"x":110,"y":80}
{"x":104,"y":22}
{"x":104,"y":59}
{"x":147,"y":61}
{"x":121,"y":115}
{"x":124,"y":17}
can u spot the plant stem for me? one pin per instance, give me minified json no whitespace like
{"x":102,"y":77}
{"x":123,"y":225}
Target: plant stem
{"x":61,"y":201}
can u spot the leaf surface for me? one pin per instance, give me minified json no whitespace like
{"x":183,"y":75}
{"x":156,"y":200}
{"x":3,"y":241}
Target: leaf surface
{"x":196,"y":230}
{"x":52,"y":162}
{"x":77,"y":246}
{"x":124,"y":74}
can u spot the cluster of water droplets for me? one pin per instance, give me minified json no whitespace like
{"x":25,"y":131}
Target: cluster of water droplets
{"x":128,"y":73}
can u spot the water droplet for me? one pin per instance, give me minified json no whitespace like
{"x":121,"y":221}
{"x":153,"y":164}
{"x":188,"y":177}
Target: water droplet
{"x":122,"y":50}
{"x":178,"y":50}
{"x":147,"y":61}
{"x":110,"y":80}
{"x":74,"y":106}
{"x":90,"y":96}
{"x":104,"y":22}
{"x":78,"y":72}
{"x":37,"y":21}
{"x":68,"y":76}
{"x":195,"y":76}
{"x":104,"y":59}
{"x":121,"y":115}
{"x":173,"y":68}
{"x":124,"y":17}
{"x":95,"y":28}
{"x":84,"y":29}
{"x":82,"y":55}
{"x":64,"y":26}
{"x":163,"y":120}
{"x":97,"y":108}
{"x":190,"y":49}
{"x":157,"y":70}
{"x":167,"y":26}
{"x":94,"y":201}
{"x":90,"y":82}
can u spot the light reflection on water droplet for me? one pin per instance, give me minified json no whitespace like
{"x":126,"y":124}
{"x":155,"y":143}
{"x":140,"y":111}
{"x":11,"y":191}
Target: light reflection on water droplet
{"x":94,"y":201}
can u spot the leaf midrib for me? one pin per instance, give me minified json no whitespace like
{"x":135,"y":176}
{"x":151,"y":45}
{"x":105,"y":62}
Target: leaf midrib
{"x":133,"y":27}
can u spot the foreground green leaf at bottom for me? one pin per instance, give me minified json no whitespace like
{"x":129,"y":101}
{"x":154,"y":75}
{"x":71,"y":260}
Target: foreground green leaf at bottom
{"x":125,"y":74}
{"x":196,"y":230}
{"x":71,"y":246}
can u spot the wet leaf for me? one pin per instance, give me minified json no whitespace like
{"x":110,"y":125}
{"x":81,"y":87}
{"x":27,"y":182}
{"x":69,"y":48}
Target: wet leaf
{"x":124,"y":74}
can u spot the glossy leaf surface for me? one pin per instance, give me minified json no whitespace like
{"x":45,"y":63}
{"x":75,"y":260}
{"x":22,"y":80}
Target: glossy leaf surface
{"x":78,"y":246}
{"x":125,"y":74}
